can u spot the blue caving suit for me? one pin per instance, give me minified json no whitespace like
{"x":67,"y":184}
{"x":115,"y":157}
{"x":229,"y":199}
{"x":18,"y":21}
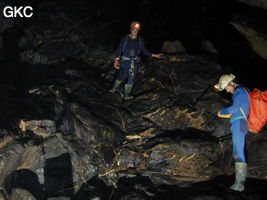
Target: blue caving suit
{"x":239,"y":125}
{"x":130,"y":50}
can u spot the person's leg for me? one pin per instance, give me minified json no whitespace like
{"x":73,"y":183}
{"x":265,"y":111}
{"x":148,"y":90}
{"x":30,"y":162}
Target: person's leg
{"x":234,"y":143}
{"x":239,"y":131}
{"x":123,"y":72}
{"x":131,"y":78}
{"x":240,"y":146}
{"x":132,"y":74}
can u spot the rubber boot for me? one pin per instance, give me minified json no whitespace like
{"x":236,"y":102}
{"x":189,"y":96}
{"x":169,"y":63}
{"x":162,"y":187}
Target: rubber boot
{"x":240,"y":176}
{"x":127,"y":91}
{"x":115,"y":86}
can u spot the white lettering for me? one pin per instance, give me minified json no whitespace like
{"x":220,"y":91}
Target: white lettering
{"x":8,"y":11}
{"x":24,"y":11}
{"x":18,"y":11}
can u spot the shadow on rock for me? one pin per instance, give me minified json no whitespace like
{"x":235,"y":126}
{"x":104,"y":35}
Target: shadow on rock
{"x":27,"y":180}
{"x":58,"y":176}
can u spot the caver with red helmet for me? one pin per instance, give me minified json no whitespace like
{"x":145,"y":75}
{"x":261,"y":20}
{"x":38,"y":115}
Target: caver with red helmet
{"x":127,"y":59}
{"x":135,"y":25}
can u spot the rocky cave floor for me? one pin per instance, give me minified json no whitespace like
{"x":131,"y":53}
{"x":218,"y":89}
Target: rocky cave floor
{"x":64,"y":136}
{"x":70,"y":137}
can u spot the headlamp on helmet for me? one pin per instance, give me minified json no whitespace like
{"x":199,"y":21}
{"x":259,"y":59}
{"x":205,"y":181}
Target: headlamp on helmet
{"x":135,"y":25}
{"x":225,"y":80}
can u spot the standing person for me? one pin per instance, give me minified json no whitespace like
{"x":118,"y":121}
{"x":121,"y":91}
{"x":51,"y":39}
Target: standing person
{"x":238,"y":113}
{"x":128,"y":64}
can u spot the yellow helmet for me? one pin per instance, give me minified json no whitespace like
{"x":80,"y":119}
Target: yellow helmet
{"x":224,"y":81}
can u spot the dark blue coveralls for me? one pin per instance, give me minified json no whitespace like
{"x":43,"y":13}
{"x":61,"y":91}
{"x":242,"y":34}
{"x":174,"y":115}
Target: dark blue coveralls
{"x":239,"y":125}
{"x":130,"y":50}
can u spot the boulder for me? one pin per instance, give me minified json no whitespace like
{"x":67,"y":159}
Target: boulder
{"x":62,"y":36}
{"x":169,"y":132}
{"x":45,"y":169}
{"x":42,"y":128}
{"x":176,"y":161}
{"x":208,"y":47}
{"x":5,"y":138}
{"x":20,"y":194}
{"x":256,"y":40}
{"x":173,"y":47}
{"x":257,"y":3}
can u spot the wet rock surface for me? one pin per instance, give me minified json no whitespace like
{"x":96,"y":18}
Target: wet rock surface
{"x":19,"y":194}
{"x":172,"y":47}
{"x":64,"y":136}
{"x":65,"y":32}
{"x":257,"y":40}
{"x":252,"y":28}
{"x":208,"y":47}
{"x":258,"y":3}
{"x":70,"y":129}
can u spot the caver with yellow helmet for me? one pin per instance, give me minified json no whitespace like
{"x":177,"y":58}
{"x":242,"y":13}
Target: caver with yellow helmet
{"x":238,"y":113}
{"x":128,"y":57}
{"x":224,"y":81}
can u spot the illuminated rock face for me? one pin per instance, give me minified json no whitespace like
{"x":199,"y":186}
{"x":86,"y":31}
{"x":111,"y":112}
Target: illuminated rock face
{"x":208,"y":47}
{"x":166,"y":133}
{"x":257,"y":3}
{"x":172,"y":47}
{"x":251,"y":24}
{"x":65,"y":136}
{"x":257,"y":40}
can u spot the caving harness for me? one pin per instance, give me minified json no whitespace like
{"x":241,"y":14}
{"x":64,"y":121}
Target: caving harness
{"x":132,"y":60}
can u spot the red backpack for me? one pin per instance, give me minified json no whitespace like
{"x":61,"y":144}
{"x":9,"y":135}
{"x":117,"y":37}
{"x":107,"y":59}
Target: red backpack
{"x":257,"y":117}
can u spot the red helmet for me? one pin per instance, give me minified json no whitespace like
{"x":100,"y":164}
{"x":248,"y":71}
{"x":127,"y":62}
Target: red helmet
{"x":135,"y":25}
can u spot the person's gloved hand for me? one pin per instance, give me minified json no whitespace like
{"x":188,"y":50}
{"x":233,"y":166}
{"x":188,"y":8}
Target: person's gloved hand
{"x":160,"y":55}
{"x":117,"y":63}
{"x":223,"y":116}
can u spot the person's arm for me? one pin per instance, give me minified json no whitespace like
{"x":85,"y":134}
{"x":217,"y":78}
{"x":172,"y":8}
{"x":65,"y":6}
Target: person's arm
{"x":144,"y":49}
{"x":118,"y":53}
{"x":148,"y":53}
{"x":120,"y":48}
{"x":234,"y":108}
